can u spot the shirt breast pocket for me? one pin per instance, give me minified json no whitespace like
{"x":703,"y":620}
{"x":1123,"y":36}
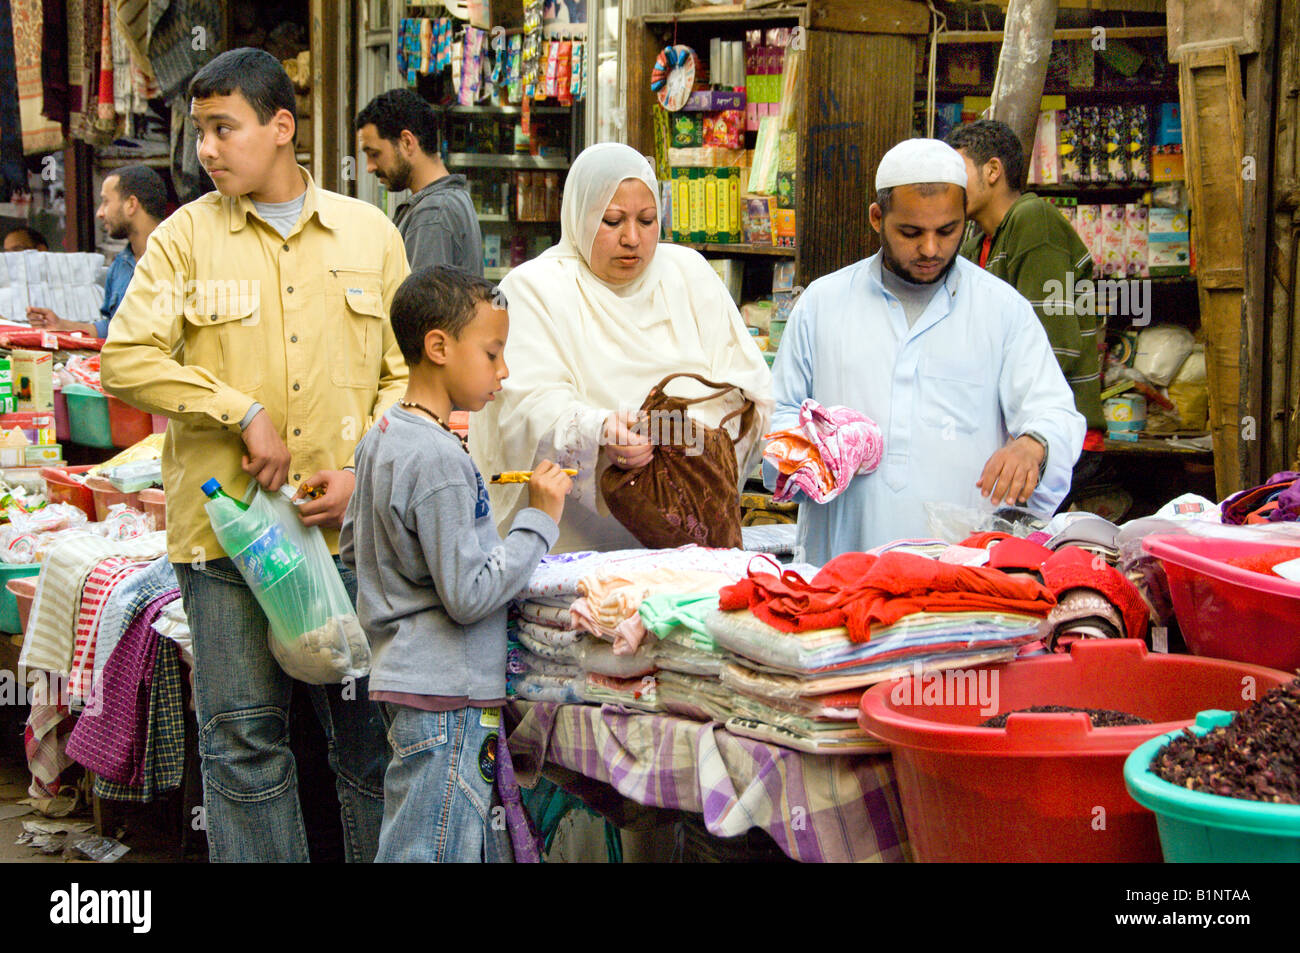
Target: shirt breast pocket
{"x":356,"y":296}
{"x":953,"y":395}
{"x":226,"y":338}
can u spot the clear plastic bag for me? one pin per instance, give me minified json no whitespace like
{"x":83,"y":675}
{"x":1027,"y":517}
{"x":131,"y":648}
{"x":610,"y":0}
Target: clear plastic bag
{"x":953,"y":522}
{"x":315,"y":635}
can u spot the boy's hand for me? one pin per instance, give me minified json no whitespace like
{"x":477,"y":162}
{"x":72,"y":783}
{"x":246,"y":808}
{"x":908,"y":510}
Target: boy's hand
{"x":624,"y":447}
{"x":547,"y":489}
{"x":328,"y":509}
{"x":267,"y":460}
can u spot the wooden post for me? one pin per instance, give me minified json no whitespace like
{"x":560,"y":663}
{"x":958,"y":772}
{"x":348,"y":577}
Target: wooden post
{"x":1209,"y":83}
{"x":1022,"y":67}
{"x":1284,"y":272}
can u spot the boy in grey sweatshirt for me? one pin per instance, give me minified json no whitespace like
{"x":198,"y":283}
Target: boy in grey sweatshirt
{"x":433,"y":575}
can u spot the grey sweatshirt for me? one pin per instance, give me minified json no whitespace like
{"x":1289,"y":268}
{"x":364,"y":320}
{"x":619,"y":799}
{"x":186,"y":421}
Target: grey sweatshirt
{"x":433,"y":575}
{"x":440,"y":227}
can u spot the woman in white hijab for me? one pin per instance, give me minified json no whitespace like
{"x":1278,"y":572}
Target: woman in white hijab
{"x":595,"y":322}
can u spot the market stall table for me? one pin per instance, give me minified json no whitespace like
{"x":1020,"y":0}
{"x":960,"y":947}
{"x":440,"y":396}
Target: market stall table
{"x":832,"y":808}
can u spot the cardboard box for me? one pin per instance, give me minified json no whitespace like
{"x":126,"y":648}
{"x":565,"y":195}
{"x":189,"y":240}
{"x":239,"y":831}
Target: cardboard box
{"x":1169,"y":129}
{"x":783,"y":276}
{"x":786,"y":196}
{"x":33,"y":377}
{"x":1135,"y":221}
{"x":783,"y":227}
{"x":715,"y":100}
{"x":42,"y":455}
{"x":1167,"y":164}
{"x":687,"y":130}
{"x":756,"y":219}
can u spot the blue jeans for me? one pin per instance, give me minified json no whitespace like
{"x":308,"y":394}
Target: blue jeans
{"x":438,"y":787}
{"x":241,"y":698}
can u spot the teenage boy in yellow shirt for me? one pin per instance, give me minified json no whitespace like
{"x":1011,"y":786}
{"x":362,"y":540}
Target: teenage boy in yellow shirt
{"x":257,"y":321}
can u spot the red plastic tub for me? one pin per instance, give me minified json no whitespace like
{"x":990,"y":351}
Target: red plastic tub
{"x":1046,"y":787}
{"x":24,"y":593}
{"x":61,"y":488}
{"x":127,"y":425}
{"x":107,"y":495}
{"x":154,"y":502}
{"x":1226,"y":612}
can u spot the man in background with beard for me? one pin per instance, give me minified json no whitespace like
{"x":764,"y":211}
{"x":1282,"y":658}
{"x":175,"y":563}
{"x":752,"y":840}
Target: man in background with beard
{"x":950,"y":362}
{"x":398,"y":132}
{"x":133,"y":200}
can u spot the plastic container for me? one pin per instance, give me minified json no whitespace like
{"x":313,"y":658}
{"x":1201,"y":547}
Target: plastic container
{"x":1046,"y":787}
{"x":9,"y":618}
{"x":24,"y":592}
{"x":126,"y":425}
{"x":61,"y":427}
{"x":88,"y":419}
{"x":155,"y":504}
{"x":158,"y":422}
{"x":1196,"y":827}
{"x":61,"y":488}
{"x":107,"y":495}
{"x":1226,"y":612}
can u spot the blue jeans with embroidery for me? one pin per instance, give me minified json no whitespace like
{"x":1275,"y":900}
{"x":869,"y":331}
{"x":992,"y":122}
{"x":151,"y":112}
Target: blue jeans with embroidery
{"x":241,"y":698}
{"x":438,"y":787}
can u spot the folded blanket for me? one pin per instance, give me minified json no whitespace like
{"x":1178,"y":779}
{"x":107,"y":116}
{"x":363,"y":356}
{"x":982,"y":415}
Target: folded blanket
{"x":862,"y":592}
{"x":639,"y":693}
{"x":700,"y":698}
{"x":789,"y":738}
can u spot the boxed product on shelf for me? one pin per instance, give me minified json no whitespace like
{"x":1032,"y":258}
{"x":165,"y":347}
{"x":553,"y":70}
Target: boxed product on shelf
{"x":715,"y":100}
{"x":1044,"y":164}
{"x":1169,"y":131}
{"x":666,"y":204}
{"x":787,"y":151}
{"x":1167,"y":164}
{"x":1135,"y":221}
{"x":785,"y":189}
{"x":697,"y":207}
{"x":491,"y":250}
{"x":783,"y":276}
{"x":724,"y":129}
{"x":756,"y":219}
{"x":681,"y":204}
{"x":687,"y":130}
{"x":782,"y":305}
{"x":1114,"y":254}
{"x":705,"y":157}
{"x":1116,"y":144}
{"x":1069,"y":147}
{"x":1169,"y":247}
{"x":1087,"y":224}
{"x":33,"y":379}
{"x":1139,"y":143}
{"x":783,"y":227}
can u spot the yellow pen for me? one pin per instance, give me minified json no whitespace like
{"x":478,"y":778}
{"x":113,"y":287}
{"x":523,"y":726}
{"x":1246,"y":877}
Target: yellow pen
{"x":520,"y":476}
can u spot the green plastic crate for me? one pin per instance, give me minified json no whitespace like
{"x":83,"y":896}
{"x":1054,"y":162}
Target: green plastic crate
{"x":88,"y":421}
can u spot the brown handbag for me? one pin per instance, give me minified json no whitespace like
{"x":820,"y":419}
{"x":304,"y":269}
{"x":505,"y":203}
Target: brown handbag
{"x":678,"y":497}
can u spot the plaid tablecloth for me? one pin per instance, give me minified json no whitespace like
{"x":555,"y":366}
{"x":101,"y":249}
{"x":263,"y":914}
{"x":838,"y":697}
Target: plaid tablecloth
{"x":816,"y":807}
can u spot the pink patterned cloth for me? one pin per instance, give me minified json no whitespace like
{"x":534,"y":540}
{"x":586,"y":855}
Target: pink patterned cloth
{"x":824,"y":453}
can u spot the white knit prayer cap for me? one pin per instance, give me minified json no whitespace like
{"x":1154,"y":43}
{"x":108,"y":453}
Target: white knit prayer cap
{"x":914,"y":161}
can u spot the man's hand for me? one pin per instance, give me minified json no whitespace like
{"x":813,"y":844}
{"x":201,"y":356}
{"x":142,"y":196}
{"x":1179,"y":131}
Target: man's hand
{"x":326,"y":510}
{"x":267,"y":460}
{"x":1012,"y":472}
{"x":47,"y":320}
{"x":625,"y":448}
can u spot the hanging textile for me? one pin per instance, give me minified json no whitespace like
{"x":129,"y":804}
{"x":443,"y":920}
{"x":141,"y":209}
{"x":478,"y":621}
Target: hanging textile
{"x":39,"y":134}
{"x":13,"y":173}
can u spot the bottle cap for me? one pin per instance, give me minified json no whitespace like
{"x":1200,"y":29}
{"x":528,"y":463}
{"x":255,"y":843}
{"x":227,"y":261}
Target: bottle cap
{"x":211,"y":487}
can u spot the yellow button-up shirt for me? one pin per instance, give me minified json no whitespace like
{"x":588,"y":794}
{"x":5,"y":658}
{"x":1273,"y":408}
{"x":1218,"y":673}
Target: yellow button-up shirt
{"x":223,"y":313}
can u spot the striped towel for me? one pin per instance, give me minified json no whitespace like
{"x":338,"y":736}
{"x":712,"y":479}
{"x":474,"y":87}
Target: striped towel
{"x":52,"y":630}
{"x":101,"y":582}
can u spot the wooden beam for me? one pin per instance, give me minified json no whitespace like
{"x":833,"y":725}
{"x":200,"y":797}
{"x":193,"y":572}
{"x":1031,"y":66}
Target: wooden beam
{"x":1284,"y":312}
{"x":879,"y":16}
{"x":1213,"y":142}
{"x":1205,"y":24}
{"x":1067,"y":33}
{"x":1260,"y":73}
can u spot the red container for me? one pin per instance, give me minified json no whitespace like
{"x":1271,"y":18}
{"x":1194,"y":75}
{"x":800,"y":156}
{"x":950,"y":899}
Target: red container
{"x":127,"y":425}
{"x":107,"y":495}
{"x":24,"y":593}
{"x":60,"y":488}
{"x":1045,"y":787}
{"x":1226,"y":612}
{"x":155,"y":504}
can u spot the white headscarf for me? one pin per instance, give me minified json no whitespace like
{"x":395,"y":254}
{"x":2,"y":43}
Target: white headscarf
{"x":580,"y":349}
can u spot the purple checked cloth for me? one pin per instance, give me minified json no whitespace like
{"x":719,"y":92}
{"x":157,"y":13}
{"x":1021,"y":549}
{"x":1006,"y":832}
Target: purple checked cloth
{"x":109,"y":737}
{"x":832,"y":808}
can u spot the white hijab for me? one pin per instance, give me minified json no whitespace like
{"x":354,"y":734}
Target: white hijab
{"x":580,"y":349}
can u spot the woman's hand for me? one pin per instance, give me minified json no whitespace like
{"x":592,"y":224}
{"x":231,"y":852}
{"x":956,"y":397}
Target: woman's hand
{"x":623,"y":446}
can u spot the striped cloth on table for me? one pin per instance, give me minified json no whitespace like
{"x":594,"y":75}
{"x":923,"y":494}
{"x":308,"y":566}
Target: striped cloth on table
{"x":51,"y":631}
{"x":101,"y":582}
{"x":816,"y":808}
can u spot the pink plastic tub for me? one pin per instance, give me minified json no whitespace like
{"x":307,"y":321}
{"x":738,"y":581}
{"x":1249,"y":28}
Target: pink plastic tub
{"x":1226,"y":612}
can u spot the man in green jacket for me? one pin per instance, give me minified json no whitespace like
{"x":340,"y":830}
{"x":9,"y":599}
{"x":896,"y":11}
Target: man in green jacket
{"x":1024,"y":240}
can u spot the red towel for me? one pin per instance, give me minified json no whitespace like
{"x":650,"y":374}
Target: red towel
{"x":861,"y":591}
{"x":1265,"y":561}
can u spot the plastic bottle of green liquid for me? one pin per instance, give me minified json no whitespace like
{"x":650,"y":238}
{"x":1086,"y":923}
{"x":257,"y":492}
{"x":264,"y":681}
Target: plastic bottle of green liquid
{"x":254,"y":541}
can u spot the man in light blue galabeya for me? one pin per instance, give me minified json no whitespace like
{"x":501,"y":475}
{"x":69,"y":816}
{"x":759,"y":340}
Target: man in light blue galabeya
{"x":949,"y":361}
